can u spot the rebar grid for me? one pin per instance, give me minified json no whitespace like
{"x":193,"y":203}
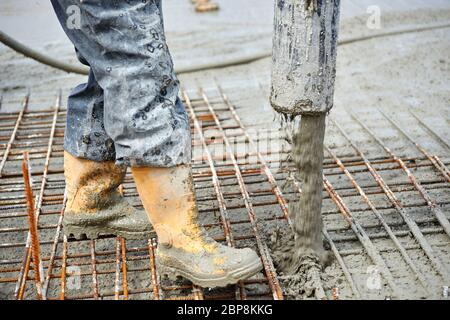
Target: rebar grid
{"x":240,"y":203}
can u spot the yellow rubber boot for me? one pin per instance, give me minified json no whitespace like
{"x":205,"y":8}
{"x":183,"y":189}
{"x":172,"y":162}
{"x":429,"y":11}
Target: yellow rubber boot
{"x":94,"y":204}
{"x":184,"y":247}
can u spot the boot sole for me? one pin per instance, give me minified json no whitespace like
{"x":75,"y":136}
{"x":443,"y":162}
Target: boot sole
{"x":211,"y":281}
{"x":90,"y":232}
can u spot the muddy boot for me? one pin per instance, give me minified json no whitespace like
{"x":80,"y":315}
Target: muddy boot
{"x":95,"y":206}
{"x":205,"y":5}
{"x":184,"y":247}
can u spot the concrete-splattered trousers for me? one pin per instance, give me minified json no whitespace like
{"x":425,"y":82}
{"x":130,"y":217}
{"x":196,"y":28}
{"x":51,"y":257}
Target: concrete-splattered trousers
{"x":129,"y":110}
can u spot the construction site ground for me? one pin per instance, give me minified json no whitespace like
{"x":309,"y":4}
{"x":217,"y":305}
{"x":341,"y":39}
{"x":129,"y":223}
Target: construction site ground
{"x":386,"y":180}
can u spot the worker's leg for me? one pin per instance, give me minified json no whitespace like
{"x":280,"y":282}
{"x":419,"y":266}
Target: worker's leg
{"x":124,"y":43}
{"x":94,"y":204}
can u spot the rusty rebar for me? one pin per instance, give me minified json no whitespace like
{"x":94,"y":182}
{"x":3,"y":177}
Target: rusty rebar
{"x":124,"y":269}
{"x":94,"y":271}
{"x":121,"y":250}
{"x":117,"y":275}
{"x":62,"y":294}
{"x":335,"y":293}
{"x":32,"y":222}
{"x":54,"y":248}
{"x":153,"y":272}
{"x":24,"y":271}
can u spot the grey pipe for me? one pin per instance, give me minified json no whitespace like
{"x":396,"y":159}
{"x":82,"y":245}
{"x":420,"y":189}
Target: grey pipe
{"x":79,"y":69}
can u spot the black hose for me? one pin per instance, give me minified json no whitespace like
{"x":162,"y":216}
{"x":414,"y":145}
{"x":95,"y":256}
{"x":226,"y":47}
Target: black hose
{"x":33,"y":54}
